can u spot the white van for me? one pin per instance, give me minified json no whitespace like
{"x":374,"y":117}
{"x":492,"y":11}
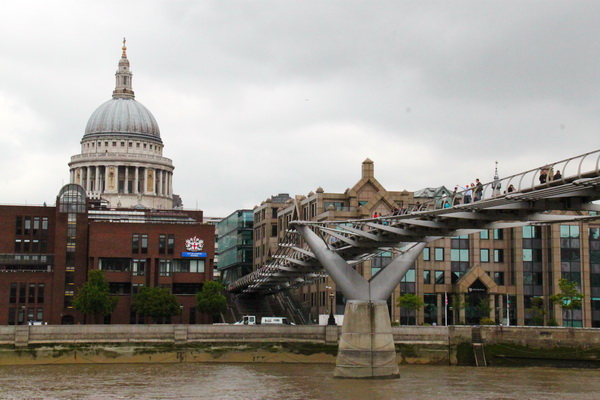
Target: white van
{"x":275,"y":321}
{"x":247,"y":320}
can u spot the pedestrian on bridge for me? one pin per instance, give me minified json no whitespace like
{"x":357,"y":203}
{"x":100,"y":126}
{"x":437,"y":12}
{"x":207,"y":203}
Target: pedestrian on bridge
{"x":478,"y":190}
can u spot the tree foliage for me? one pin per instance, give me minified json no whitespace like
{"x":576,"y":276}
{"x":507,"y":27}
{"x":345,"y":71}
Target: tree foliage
{"x":569,"y":297}
{"x":157,"y":303}
{"x":210,"y":299}
{"x":410,"y":302}
{"x":537,"y":311}
{"x":484,"y":308}
{"x":93,"y":297}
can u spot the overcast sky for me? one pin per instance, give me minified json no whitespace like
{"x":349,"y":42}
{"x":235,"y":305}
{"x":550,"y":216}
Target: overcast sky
{"x":255,"y":98}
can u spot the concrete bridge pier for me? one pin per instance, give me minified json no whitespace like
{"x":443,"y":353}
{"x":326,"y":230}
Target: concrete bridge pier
{"x":366,"y":348}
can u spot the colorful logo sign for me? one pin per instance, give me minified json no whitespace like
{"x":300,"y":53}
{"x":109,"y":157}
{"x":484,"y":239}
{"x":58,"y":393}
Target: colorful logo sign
{"x":194,"y":244}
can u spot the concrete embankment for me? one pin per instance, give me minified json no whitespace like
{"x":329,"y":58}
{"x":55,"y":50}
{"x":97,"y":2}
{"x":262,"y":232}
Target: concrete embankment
{"x":452,"y":345}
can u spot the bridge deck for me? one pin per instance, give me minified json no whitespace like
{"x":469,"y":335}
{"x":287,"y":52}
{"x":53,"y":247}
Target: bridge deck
{"x":358,"y":240}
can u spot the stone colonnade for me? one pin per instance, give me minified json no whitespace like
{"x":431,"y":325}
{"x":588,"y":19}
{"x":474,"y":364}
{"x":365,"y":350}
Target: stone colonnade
{"x":124,"y":179}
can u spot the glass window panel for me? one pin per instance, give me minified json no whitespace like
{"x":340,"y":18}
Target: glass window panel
{"x":439,"y":254}
{"x":485,"y":255}
{"x":426,"y":254}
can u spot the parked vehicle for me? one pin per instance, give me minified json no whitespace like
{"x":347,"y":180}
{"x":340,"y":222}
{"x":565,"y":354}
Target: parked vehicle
{"x":275,"y":321}
{"x":247,"y":320}
{"x":251,"y":320}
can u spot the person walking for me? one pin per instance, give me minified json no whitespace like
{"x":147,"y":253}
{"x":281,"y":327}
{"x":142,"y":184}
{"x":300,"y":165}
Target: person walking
{"x":478,"y":190}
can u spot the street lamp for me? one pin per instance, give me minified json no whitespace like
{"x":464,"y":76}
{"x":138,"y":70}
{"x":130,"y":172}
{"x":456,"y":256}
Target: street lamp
{"x":331,"y":320}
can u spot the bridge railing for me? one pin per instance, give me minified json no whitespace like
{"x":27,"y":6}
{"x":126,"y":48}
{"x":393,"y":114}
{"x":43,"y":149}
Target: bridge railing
{"x":548,"y":175}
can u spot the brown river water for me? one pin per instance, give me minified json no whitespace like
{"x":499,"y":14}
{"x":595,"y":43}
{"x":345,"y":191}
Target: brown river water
{"x":290,"y":382}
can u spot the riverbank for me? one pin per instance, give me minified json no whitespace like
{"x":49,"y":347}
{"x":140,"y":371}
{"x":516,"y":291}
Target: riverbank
{"x":433,"y":345}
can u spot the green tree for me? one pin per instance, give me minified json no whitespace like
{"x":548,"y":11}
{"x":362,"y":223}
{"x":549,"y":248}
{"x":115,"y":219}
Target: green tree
{"x":157,"y":303}
{"x":94,"y":298}
{"x":457,"y":305}
{"x":569,"y":297}
{"x":410,"y":302}
{"x":211,"y":300}
{"x":484,"y":308}
{"x":537,"y":311}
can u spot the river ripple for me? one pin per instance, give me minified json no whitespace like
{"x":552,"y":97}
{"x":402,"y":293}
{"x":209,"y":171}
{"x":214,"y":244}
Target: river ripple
{"x":289,"y":381}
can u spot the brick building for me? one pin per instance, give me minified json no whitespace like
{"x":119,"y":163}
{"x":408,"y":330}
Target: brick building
{"x":46,"y":253}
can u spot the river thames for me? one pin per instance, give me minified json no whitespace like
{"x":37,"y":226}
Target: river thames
{"x":289,"y":381}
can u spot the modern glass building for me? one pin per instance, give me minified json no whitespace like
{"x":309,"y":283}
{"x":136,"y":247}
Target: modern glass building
{"x":235,"y":245}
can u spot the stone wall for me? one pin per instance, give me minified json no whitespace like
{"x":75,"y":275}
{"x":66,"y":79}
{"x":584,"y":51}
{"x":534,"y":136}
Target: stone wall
{"x":301,"y":344}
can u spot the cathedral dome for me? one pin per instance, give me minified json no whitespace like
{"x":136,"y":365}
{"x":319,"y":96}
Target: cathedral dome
{"x":123,"y":116}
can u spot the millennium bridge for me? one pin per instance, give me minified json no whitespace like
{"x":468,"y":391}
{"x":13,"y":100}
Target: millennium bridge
{"x":310,"y":250}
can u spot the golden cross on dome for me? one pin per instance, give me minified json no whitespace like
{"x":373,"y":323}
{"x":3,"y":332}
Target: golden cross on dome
{"x":124,"y":49}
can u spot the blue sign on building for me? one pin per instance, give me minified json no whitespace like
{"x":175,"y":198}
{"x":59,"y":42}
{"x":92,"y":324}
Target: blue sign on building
{"x":192,"y":254}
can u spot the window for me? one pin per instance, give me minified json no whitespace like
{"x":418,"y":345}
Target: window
{"x":19,"y":227}
{"x":426,"y":254}
{"x":120,"y":287}
{"x":439,"y":254}
{"x":27,"y":229}
{"x":186,"y":288}
{"x":459,"y":255}
{"x":144,"y":244}
{"x":499,"y":278}
{"x":162,"y":244}
{"x":135,"y":243}
{"x":532,"y":232}
{"x":165,"y":268}
{"x":12,"y":298}
{"x":498,"y":234}
{"x":31,"y":297}
{"x":439,"y":277}
{"x":566,"y":231}
{"x":426,"y":276}
{"x":139,"y":267}
{"x":22,"y":290}
{"x":484,"y":255}
{"x":36,"y":225}
{"x":498,"y":255}
{"x":484,"y":235}
{"x":171,"y":244}
{"x":115,"y":264}
{"x":44,"y":225}
{"x":188,"y":265}
{"x":40,"y":293}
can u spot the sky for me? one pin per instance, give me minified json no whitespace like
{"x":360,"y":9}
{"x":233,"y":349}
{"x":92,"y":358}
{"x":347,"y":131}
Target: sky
{"x":256,"y":98}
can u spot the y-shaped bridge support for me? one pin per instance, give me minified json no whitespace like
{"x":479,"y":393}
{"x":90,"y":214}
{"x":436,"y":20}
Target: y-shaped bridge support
{"x":366,"y":348}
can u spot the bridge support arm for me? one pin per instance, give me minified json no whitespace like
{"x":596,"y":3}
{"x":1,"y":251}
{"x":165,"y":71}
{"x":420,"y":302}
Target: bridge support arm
{"x":384,"y":283}
{"x":350,"y":282}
